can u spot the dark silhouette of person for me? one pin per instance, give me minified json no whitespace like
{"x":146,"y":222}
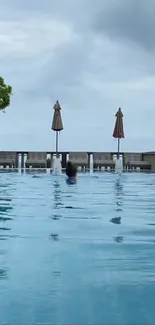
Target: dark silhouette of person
{"x":71,"y":172}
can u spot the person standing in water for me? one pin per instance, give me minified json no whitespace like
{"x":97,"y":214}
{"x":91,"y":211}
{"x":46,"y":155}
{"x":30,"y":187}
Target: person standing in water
{"x":71,"y":172}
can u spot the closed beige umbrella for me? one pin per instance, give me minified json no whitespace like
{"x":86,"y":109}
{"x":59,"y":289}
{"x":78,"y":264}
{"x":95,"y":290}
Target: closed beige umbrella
{"x":118,"y":129}
{"x":57,"y":125}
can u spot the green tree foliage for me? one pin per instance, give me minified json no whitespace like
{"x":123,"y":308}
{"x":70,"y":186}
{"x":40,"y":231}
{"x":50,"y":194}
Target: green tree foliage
{"x":5,"y":94}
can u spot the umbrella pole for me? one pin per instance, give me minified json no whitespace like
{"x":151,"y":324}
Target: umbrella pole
{"x":118,"y":148}
{"x":57,"y":143}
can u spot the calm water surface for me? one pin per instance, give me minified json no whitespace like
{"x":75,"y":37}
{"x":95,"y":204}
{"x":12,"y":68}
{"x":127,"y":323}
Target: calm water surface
{"x":77,"y":254}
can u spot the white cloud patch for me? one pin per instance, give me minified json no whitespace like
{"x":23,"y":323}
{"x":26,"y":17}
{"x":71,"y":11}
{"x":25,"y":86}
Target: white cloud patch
{"x":32,"y":37}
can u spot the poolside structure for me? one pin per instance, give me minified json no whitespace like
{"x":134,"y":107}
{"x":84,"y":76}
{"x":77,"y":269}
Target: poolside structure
{"x":24,"y":160}
{"x":36,"y":160}
{"x":80,"y":159}
{"x":57,"y":126}
{"x":8,"y":158}
{"x":150,"y":158}
{"x":136,"y":160}
{"x":103,"y":160}
{"x":118,"y":134}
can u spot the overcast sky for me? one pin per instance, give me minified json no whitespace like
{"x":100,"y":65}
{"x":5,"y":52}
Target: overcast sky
{"x":93,"y":56}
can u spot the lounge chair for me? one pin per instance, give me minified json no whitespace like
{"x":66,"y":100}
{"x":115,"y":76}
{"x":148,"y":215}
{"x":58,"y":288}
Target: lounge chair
{"x":36,"y":160}
{"x":8,"y":158}
{"x":150,"y":157}
{"x":103,"y":159}
{"x":135,"y":161}
{"x":80,"y":159}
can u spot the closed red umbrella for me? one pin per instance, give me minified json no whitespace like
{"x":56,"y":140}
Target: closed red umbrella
{"x":118,"y":129}
{"x":57,"y":124}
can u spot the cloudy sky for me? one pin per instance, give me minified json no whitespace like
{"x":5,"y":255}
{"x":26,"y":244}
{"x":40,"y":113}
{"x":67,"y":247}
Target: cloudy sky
{"x":93,"y":56}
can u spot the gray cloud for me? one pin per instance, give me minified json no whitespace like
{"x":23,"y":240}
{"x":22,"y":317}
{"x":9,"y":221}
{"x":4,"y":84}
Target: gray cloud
{"x":89,"y":55}
{"x":128,"y":20}
{"x":132,"y":21}
{"x":68,"y":10}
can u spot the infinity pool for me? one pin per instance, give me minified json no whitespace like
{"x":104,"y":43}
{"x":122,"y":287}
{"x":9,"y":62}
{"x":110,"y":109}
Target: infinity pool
{"x":77,"y":254}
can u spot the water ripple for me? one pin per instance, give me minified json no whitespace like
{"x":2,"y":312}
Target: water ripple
{"x":90,"y":245}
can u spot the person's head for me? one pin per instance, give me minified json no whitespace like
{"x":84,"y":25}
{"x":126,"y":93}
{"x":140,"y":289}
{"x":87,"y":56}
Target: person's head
{"x":71,"y":170}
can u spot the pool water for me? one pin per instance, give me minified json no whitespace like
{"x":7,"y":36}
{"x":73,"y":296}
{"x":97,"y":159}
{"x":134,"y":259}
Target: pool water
{"x":77,"y":254}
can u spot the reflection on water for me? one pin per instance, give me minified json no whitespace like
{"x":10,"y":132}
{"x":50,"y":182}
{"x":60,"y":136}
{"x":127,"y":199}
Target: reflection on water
{"x":116,"y":220}
{"x":79,"y":254}
{"x":5,"y":204}
{"x":5,"y":219}
{"x":5,"y":208}
{"x":119,"y":193}
{"x":5,"y":223}
{"x":55,"y":216}
{"x":3,"y":274}
{"x":54,"y":237}
{"x":57,"y":197}
{"x":119,"y":198}
{"x":119,"y":239}
{"x":5,"y":228}
{"x":3,"y":237}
